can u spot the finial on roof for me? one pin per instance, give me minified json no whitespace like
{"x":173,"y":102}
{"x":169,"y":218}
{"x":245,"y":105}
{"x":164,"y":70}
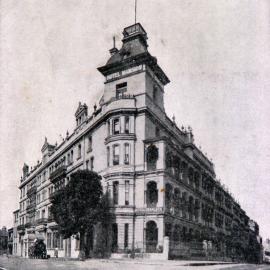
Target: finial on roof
{"x":67,"y":134}
{"x":173,"y":118}
{"x":95,"y":107}
{"x":113,"y":50}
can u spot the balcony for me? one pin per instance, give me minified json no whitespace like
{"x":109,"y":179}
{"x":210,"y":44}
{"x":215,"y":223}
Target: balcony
{"x":28,"y":225}
{"x":58,"y":174}
{"x":21,"y":229}
{"x":32,"y":191}
{"x":41,"y":221}
{"x":30,"y":207}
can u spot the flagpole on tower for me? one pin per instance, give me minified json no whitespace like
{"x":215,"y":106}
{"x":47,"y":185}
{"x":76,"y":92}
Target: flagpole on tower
{"x":135,"y":11}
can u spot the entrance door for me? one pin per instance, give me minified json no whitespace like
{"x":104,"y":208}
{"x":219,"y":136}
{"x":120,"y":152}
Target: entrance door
{"x":151,"y":236}
{"x":114,"y":237}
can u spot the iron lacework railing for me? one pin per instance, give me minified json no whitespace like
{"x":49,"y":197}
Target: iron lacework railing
{"x":59,"y":173}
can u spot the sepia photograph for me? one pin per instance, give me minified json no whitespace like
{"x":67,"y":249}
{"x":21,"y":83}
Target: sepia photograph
{"x":134,"y":134}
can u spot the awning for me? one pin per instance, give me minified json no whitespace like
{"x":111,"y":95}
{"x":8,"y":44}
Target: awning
{"x":39,"y":236}
{"x":29,"y":237}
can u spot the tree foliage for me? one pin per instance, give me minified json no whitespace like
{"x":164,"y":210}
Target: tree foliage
{"x":78,"y":205}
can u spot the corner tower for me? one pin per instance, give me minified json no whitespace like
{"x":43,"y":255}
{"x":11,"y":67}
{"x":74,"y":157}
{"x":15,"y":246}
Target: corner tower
{"x":132,"y":70}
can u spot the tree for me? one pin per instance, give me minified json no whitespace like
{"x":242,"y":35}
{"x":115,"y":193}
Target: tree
{"x":77,"y":207}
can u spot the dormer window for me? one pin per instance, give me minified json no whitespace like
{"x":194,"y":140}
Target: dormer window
{"x":116,"y":126}
{"x":121,"y":89}
{"x":81,"y":113}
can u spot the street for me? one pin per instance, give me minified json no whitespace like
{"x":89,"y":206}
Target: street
{"x":15,"y":263}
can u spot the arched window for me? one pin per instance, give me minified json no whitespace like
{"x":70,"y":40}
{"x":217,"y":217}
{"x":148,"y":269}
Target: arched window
{"x":152,"y":157}
{"x":151,"y":194}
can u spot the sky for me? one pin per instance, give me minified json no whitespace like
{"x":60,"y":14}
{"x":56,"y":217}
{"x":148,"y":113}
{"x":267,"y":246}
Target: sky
{"x":216,"y":54}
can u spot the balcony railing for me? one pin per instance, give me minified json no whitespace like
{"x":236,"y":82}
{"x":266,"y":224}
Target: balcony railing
{"x":21,"y":229}
{"x":30,"y":207}
{"x":31,"y":191}
{"x":28,"y":224}
{"x":58,"y":174}
{"x":41,"y":221}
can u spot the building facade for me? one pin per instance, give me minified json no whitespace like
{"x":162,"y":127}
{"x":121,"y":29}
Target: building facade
{"x":160,"y":184}
{"x":3,"y":240}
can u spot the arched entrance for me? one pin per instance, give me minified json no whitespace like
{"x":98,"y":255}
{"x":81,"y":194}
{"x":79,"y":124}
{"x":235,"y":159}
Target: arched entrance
{"x":151,"y":236}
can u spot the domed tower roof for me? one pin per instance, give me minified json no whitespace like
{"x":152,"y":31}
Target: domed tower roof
{"x":132,"y":53}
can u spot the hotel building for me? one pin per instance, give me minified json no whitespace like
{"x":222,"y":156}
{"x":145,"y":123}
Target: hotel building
{"x":161,"y":185}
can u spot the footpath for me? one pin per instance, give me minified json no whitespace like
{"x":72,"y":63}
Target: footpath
{"x":164,"y":262}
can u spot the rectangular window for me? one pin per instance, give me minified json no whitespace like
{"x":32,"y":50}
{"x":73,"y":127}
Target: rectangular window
{"x":77,"y":244}
{"x":121,"y":89}
{"x":92,"y":163}
{"x":116,"y":126}
{"x":127,"y":125}
{"x":126,"y":192}
{"x":157,"y":132}
{"x":109,"y":127}
{"x":115,"y":192}
{"x":116,"y":156}
{"x":89,"y":144}
{"x":49,"y":240}
{"x":126,"y":157}
{"x":71,"y":157}
{"x":108,"y":156}
{"x":126,"y":236}
{"x":79,"y":151}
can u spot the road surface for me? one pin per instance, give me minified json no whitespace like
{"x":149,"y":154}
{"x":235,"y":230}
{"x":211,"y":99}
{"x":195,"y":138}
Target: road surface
{"x":14,"y":263}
